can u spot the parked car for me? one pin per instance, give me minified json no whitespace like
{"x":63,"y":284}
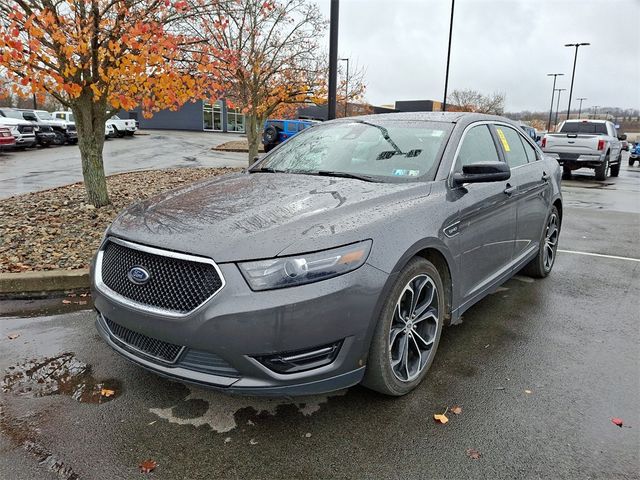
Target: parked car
{"x":22,"y":131}
{"x":277,"y":131}
{"x":109,"y":131}
{"x":6,"y":138}
{"x":335,"y":259}
{"x":586,"y":144}
{"x":529,"y":130}
{"x":65,"y":131}
{"x":122,"y":127}
{"x":634,"y":153}
{"x":43,"y":131}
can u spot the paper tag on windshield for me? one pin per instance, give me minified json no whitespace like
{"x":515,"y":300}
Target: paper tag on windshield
{"x":503,"y":139}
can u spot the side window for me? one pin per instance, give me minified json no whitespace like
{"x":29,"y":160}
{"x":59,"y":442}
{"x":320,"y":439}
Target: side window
{"x":477,"y":146}
{"x":530,"y":151}
{"x":511,"y":146}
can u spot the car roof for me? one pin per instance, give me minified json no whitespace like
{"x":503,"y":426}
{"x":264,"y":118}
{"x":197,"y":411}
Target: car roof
{"x":585,"y":120}
{"x":446,"y":117}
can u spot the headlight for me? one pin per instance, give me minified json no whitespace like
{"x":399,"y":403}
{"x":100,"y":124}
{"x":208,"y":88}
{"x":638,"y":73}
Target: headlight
{"x":304,"y":268}
{"x":36,"y":128}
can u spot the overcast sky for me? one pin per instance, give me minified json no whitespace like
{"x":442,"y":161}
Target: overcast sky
{"x":498,"y":46}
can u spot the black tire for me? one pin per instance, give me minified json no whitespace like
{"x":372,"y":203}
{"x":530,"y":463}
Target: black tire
{"x":117,"y":133}
{"x":539,"y":267}
{"x":603,"y":169}
{"x":380,"y":375}
{"x":566,"y":172}
{"x":60,"y":138}
{"x":268,"y":147}
{"x":270,"y":135}
{"x":73,"y":141}
{"x":631,"y":161}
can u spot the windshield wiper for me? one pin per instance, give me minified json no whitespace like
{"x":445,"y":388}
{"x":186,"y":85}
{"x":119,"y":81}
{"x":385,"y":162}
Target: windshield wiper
{"x":385,"y":135}
{"x":266,"y":170}
{"x":329,"y":173}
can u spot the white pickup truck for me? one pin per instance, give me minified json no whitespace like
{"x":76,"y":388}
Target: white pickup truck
{"x":122,"y":127}
{"x":586,"y":144}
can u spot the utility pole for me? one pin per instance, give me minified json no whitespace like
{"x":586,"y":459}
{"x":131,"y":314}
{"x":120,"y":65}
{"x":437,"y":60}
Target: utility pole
{"x":559,"y":90}
{"x":595,"y":111}
{"x":575,"y":59}
{"x":446,"y":75}
{"x":553,"y":92}
{"x":346,"y":86}
{"x":580,"y":108}
{"x":333,"y":59}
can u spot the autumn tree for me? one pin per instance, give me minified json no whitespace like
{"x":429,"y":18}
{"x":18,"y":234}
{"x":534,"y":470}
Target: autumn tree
{"x":280,"y":60}
{"x":474,"y":101}
{"x":99,"y":56}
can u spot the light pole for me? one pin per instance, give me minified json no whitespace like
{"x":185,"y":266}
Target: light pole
{"x":333,"y":59}
{"x":553,"y":92}
{"x":446,"y":75}
{"x":559,"y":90}
{"x":575,"y":59}
{"x":346,"y":86}
{"x":580,"y":108}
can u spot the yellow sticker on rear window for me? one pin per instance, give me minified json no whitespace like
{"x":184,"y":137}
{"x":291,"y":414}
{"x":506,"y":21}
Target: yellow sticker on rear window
{"x":503,"y":139}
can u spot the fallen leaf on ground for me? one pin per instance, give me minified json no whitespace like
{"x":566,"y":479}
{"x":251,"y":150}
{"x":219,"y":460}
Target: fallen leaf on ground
{"x":105,"y":392}
{"x":66,"y":302}
{"x":440,"y":417}
{"x":528,"y":391}
{"x":148,"y":466}
{"x":13,"y":336}
{"x":456,"y":410}
{"x":473,"y":454}
{"x":253,"y":442}
{"x":617,"y":421}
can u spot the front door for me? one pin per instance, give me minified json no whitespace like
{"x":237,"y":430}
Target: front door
{"x":486,"y":215}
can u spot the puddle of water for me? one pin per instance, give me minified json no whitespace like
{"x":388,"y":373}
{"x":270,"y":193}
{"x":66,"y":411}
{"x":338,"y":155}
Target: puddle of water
{"x":218,"y":411}
{"x":63,"y":374}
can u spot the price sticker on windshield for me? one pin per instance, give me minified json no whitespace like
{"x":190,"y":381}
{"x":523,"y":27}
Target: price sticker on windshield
{"x":503,"y":139}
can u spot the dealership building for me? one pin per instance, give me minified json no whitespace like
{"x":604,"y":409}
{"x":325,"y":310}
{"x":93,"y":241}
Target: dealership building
{"x":203,"y":116}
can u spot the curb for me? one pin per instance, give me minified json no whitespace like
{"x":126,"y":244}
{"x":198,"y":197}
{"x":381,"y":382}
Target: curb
{"x":39,"y":283}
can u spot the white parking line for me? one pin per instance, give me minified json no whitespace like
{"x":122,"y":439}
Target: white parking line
{"x":615,"y":257}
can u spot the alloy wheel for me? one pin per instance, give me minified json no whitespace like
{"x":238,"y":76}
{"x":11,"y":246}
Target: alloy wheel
{"x":413,"y":328}
{"x":551,"y":241}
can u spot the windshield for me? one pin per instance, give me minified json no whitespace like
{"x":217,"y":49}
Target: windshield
{"x":44,"y":115}
{"x":12,"y":114}
{"x":584,"y":127}
{"x":388,"y":150}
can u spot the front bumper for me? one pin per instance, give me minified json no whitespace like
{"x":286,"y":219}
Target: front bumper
{"x":238,"y":325}
{"x":45,"y":138}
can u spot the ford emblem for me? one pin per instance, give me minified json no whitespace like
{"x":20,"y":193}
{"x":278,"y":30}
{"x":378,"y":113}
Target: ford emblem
{"x":139,"y":275}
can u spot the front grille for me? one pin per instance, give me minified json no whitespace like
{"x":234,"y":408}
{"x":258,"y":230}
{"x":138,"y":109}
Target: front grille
{"x":25,"y":128}
{"x":72,"y":127}
{"x":165,"y":351}
{"x":46,"y":128}
{"x":207,"y":362}
{"x":174,"y":284}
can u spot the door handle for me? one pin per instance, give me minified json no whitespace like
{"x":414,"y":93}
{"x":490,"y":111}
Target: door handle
{"x":545,"y":177}
{"x":509,"y":190}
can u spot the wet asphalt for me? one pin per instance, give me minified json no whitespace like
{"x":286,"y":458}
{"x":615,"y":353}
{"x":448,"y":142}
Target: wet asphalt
{"x":42,"y":168}
{"x":540,"y":368}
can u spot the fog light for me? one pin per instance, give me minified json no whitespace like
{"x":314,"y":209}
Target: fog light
{"x":301,"y":360}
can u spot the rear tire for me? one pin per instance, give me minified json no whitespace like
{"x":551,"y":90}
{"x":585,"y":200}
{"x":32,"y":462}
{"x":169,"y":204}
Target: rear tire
{"x":407,"y":334}
{"x":543,"y":262}
{"x":566,"y":172}
{"x":602,"y":170}
{"x":631,"y":162}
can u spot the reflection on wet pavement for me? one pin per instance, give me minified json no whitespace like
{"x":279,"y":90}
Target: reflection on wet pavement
{"x":62,"y":374}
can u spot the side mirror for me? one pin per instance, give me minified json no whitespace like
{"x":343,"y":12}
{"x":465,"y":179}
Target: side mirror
{"x":538,"y":137}
{"x":483,"y":172}
{"x":622,"y":137}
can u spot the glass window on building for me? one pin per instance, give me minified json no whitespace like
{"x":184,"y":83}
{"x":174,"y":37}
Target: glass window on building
{"x":235,"y":120}
{"x":212,"y":116}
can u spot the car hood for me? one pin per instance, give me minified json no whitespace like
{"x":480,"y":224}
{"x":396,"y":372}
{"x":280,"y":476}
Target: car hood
{"x":13,"y":121}
{"x":259,"y":215}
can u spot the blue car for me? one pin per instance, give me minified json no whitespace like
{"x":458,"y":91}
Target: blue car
{"x":277,"y":131}
{"x":634,"y":153}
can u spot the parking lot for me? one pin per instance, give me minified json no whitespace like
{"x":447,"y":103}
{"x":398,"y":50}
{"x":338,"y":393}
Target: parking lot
{"x":42,"y":168}
{"x":540,"y":368}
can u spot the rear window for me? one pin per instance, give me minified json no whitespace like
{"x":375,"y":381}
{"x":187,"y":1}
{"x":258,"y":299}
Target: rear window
{"x":584,"y":127}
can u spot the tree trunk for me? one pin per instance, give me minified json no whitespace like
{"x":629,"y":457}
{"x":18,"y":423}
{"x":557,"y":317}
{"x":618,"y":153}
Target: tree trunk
{"x":253,"y":135}
{"x":90,"y":120}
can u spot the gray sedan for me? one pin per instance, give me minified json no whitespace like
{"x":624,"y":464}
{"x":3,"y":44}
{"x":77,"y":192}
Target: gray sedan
{"x":336,"y":259}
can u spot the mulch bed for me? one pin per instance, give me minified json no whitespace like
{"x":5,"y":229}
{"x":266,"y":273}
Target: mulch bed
{"x":58,"y":229}
{"x":236,"y":146}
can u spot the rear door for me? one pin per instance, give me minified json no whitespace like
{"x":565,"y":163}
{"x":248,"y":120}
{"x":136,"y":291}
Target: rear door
{"x":533,"y":189}
{"x":486,"y":226}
